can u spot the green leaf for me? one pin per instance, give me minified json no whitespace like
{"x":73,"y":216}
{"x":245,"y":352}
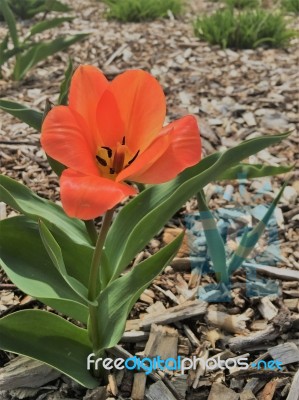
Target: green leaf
{"x":146,"y":214}
{"x":11,"y":22}
{"x":25,"y":201}
{"x":6,"y":55}
{"x":56,"y":166}
{"x":31,"y":269}
{"x":214,"y":240}
{"x":3,"y":47}
{"x":55,"y":5}
{"x":250,"y":171}
{"x":48,"y":24}
{"x":116,"y":301}
{"x":250,"y":238}
{"x":51,"y":339}
{"x":40,"y":51}
{"x":31,"y":117}
{"x":64,"y":88}
{"x":55,"y":253}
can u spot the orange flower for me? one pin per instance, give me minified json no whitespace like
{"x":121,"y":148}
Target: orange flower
{"x":112,"y":132}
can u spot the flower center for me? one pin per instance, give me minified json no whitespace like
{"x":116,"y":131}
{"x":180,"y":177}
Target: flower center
{"x":112,"y":161}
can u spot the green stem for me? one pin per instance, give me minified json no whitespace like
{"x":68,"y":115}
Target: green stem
{"x":93,"y":285}
{"x":95,"y":264}
{"x":91,"y":230}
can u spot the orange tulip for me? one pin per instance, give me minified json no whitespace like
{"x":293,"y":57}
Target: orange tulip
{"x":112,"y":132}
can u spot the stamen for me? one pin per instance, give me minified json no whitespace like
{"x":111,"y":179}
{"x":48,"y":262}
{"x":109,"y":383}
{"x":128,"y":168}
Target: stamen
{"x":101,"y":161}
{"x":123,"y":141}
{"x":134,"y":158}
{"x":118,"y":160}
{"x":109,"y":151}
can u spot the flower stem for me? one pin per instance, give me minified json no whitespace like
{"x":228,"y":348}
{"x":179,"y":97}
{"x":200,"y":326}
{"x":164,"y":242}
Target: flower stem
{"x":91,"y":230}
{"x":95,"y":264}
{"x":94,"y":284}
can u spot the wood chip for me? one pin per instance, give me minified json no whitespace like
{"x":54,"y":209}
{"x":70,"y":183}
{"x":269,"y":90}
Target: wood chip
{"x":247,"y":395}
{"x":159,"y":391}
{"x":23,"y":372}
{"x":180,"y":384}
{"x":269,"y":390}
{"x":242,"y":342}
{"x":138,"y":386}
{"x":286,"y":353}
{"x":189,"y":309}
{"x":163,"y":342}
{"x":294,"y":391}
{"x":220,"y":391}
{"x":158,"y":306}
{"x":167,"y":293}
{"x":112,"y":384}
{"x":134,"y":337}
{"x":230,"y":323}
{"x":267,"y":308}
{"x":191,"y":336}
{"x":281,"y":273}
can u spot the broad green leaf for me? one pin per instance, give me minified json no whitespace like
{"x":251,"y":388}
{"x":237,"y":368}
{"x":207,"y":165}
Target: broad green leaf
{"x":25,"y":201}
{"x":26,"y":262}
{"x":116,"y":301}
{"x":11,"y":22}
{"x":65,"y":85}
{"x":31,"y":117}
{"x":250,"y":171}
{"x":145,"y":215}
{"x":48,"y":24}
{"x":214,"y":240}
{"x":51,"y":339}
{"x":250,"y":238}
{"x":55,"y":253}
{"x":40,"y":51}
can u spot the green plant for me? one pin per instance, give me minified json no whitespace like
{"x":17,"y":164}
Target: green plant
{"x":141,"y":10}
{"x":244,"y":30}
{"x":63,"y":262}
{"x":241,"y":4}
{"x":291,"y":6}
{"x":26,"y":9}
{"x":28,"y":52}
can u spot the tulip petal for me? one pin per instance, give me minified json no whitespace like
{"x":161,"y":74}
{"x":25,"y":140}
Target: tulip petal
{"x":87,"y":87}
{"x":177,"y":147}
{"x":88,"y":196}
{"x":63,"y":138}
{"x":142,"y":107}
{"x":110,"y":125}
